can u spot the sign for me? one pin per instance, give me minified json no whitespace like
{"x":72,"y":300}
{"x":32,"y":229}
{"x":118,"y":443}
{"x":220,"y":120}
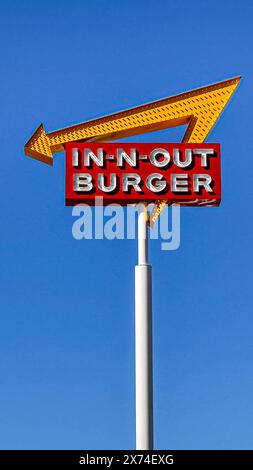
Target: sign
{"x":128,"y":173}
{"x":199,"y":109}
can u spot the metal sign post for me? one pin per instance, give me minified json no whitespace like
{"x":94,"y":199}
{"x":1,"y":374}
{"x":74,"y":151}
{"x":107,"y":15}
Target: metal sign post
{"x":143,"y":339}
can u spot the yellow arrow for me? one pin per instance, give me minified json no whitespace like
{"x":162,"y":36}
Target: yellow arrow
{"x":198,"y":108}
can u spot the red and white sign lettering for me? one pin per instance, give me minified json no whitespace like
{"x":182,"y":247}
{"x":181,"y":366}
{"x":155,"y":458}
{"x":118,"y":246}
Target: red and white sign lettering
{"x":127,"y":173}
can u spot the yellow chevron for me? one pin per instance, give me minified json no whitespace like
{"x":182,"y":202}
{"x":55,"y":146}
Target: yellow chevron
{"x":199,"y":108}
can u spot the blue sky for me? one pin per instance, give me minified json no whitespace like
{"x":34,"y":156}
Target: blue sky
{"x":67,"y":319}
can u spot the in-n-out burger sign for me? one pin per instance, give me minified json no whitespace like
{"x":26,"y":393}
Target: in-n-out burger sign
{"x":127,"y":173}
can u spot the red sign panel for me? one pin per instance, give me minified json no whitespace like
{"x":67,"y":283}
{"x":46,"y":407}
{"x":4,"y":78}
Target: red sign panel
{"x":128,"y":173}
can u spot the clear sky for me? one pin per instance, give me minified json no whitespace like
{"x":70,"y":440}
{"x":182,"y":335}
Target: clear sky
{"x":67,"y":318}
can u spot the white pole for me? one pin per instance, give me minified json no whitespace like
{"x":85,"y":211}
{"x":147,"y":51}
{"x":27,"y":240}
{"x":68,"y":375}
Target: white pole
{"x":143,"y":340}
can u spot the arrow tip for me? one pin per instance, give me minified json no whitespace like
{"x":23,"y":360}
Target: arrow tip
{"x":38,"y":146}
{"x":237,"y":79}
